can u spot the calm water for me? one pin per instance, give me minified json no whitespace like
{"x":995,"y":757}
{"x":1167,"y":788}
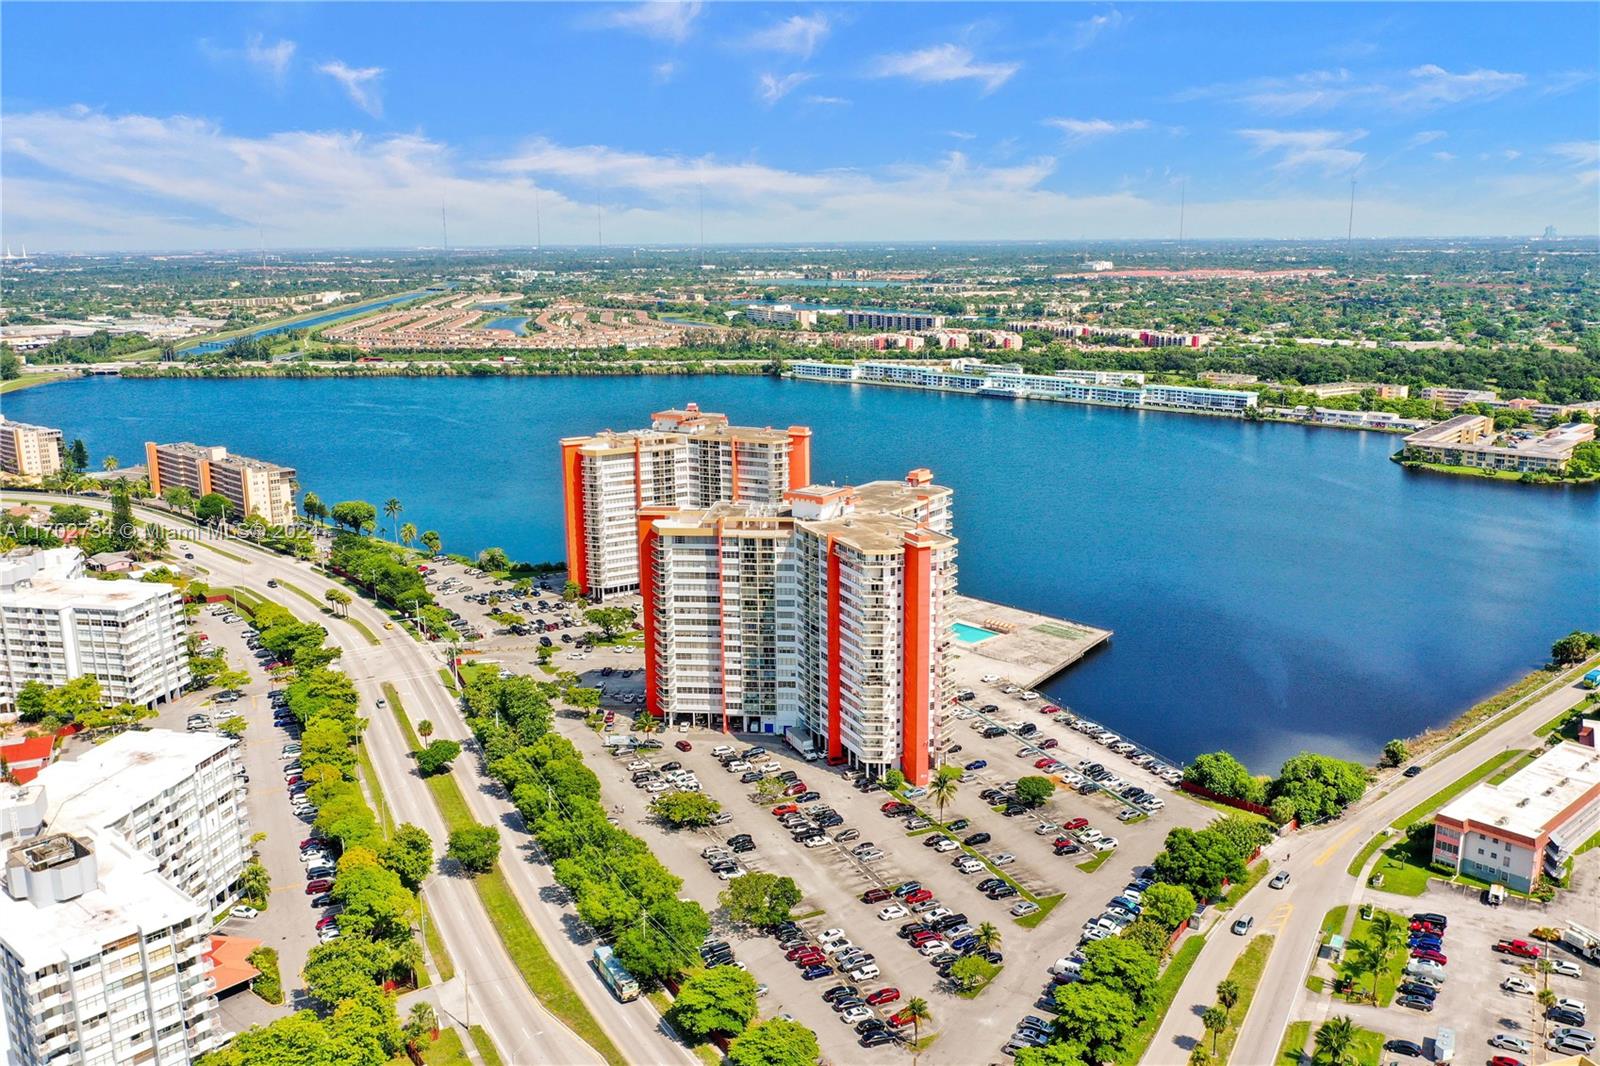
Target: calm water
{"x":1271,"y":587}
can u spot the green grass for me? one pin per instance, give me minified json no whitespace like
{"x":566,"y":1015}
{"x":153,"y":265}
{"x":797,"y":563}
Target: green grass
{"x":447,"y":794}
{"x":369,"y":773}
{"x":1294,"y":1043}
{"x":304,"y":595}
{"x":1252,"y":878}
{"x":1401,"y":876}
{"x":362,"y":628}
{"x":1099,"y":860}
{"x":435,"y":943}
{"x":445,"y":1051}
{"x":977,"y":990}
{"x":449,"y":682}
{"x":1512,"y":767}
{"x":1360,"y":861}
{"x":28,"y":381}
{"x":1246,"y":973}
{"x":485,"y":1045}
{"x":1390,"y":979}
{"x":1569,"y":718}
{"x":1368,"y":1048}
{"x":1046,"y":905}
{"x":1333,"y":921}
{"x":539,"y":970}
{"x":1166,"y":989}
{"x":1315,"y":983}
{"x":1454,"y":789}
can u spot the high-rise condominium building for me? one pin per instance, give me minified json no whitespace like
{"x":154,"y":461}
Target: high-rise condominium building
{"x":251,"y":486}
{"x":687,"y":458}
{"x":177,"y":797}
{"x":102,"y":960}
{"x":57,"y":625}
{"x":825,"y":618}
{"x":29,"y":451}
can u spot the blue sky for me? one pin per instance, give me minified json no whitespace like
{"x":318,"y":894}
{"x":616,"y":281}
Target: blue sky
{"x":151,"y":126}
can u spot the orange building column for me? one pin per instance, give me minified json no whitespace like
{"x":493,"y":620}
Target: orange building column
{"x":799,"y":457}
{"x":572,"y":494}
{"x":916,"y":658}
{"x":647,"y":607}
{"x":152,"y":466}
{"x":722,"y":633}
{"x":835,"y":693}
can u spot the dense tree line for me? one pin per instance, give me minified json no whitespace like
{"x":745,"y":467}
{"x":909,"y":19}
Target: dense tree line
{"x":1309,"y":787}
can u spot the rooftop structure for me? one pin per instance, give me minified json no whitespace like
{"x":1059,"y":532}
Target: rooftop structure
{"x":1533,"y":820}
{"x":1472,"y":441}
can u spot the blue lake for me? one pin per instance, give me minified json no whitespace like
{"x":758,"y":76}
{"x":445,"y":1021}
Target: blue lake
{"x":1272,"y":587}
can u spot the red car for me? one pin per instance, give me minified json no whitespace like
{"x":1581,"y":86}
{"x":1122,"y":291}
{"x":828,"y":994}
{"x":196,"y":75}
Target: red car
{"x":1426,"y":927}
{"x":902,"y":1018}
{"x":321,"y":884}
{"x":290,"y":782}
{"x":684,"y":745}
{"x":816,"y":958}
{"x":1048,"y":743}
{"x":927,"y":936}
{"x":921,"y":895}
{"x":310,"y":842}
{"x":1040,"y":764}
{"x":784,"y":808}
{"x":805,"y":955}
{"x":796,"y":788}
{"x":1076,"y":823}
{"x":882,"y":996}
{"x":324,"y":922}
{"x":1504,"y":1060}
{"x":1049,"y":708}
{"x":875,"y":895}
{"x":1429,"y":955}
{"x":892,"y":805}
{"x":1520,"y":948}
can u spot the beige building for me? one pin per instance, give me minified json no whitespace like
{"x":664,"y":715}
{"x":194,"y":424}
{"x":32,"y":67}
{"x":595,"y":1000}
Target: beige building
{"x":251,"y":486}
{"x":1383,"y":390}
{"x":1471,"y":440}
{"x":29,"y":451}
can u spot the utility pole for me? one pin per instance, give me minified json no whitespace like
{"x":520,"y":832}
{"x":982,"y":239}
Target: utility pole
{"x":1350,"y":226}
{"x":444,"y":227}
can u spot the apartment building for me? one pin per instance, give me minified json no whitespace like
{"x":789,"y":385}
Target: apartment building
{"x":824,"y":619}
{"x":1471,"y":441}
{"x":687,"y":458}
{"x":1383,"y":390}
{"x":102,"y":960}
{"x":57,"y":625}
{"x":1453,"y":398}
{"x":251,"y":486}
{"x":780,"y":315}
{"x":894,"y":321}
{"x":29,"y":451}
{"x":176,"y":797}
{"x":1532,"y":822}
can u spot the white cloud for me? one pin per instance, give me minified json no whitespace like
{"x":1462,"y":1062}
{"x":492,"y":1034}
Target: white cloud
{"x":828,"y":101}
{"x":1085,"y":128}
{"x":1584,"y":156}
{"x":942,"y":63}
{"x":360,"y":84}
{"x":960,"y":135}
{"x":774,"y":88}
{"x":1433,"y":86}
{"x":1422,"y":137}
{"x":1510,"y":154}
{"x":664,"y":20}
{"x":1085,"y":33}
{"x":82,"y":179}
{"x":797,"y":35}
{"x":1444,"y":157}
{"x":1324,"y":150}
{"x":273,"y":58}
{"x":663,"y":72}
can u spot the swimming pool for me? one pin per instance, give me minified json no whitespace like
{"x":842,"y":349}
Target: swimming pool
{"x":969,"y":634}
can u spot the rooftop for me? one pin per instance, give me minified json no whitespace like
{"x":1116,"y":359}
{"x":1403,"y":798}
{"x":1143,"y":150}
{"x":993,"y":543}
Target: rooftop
{"x":106,"y":782}
{"x":1529,"y":801}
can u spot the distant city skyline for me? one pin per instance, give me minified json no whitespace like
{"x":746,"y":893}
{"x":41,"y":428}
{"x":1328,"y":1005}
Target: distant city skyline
{"x":166,"y":126}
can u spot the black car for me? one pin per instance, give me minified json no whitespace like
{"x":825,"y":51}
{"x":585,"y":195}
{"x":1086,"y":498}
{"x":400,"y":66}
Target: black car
{"x":910,"y":929}
{"x":738,"y":837}
{"x":878,"y":1038}
{"x":1014,"y":809}
{"x":1003,"y":892}
{"x":844,"y":1003}
{"x":1564,"y":1015}
{"x":1417,"y":988}
{"x":1413,"y":771}
{"x":1438,"y":921}
{"x":950,"y":921}
{"x":992,"y":795}
{"x":994,"y":731}
{"x":990,"y":882}
{"x":839,"y":991}
{"x":1415,"y":1003}
{"x":750,"y":777}
{"x":808,"y":797}
{"x":324,"y":900}
{"x":933,"y":838}
{"x":994,"y":958}
{"x":828,"y":821}
{"x":668,"y":767}
{"x":719,"y":958}
{"x":958,"y":825}
{"x":1404,"y":1047}
{"x":977,"y":838}
{"x":872,"y":1025}
{"x":742,"y":847}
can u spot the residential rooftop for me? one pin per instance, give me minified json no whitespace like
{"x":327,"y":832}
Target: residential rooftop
{"x":126,"y":772}
{"x":1530,"y":800}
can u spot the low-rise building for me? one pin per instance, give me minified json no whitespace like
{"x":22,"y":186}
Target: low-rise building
{"x":57,"y":625}
{"x":1383,"y":390}
{"x":251,"y":486}
{"x":28,"y":450}
{"x":1453,"y":398}
{"x":781,"y":315}
{"x":1472,"y":441}
{"x":1531,"y":822}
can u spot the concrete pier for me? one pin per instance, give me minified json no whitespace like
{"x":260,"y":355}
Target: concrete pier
{"x":1026,"y":649}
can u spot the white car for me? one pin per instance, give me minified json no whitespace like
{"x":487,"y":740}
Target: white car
{"x":1045,"y":829}
{"x":1565,"y":967}
{"x":831,"y":934}
{"x":1028,"y":697}
{"x":855,"y":1015}
{"x":721,"y":750}
{"x":935,"y":914}
{"x":1005,"y":858}
{"x":242,"y":911}
{"x":638,"y":764}
{"x":1520,"y":985}
{"x":933,"y":948}
{"x":1507,"y":1042}
{"x":770,"y":767}
{"x":869,"y":972}
{"x":729,"y":875}
{"x":818,"y":842}
{"x":891,"y":912}
{"x":946,"y":845}
{"x":738,"y":766}
{"x":1105,"y":843}
{"x":1567,"y":1003}
{"x":328,"y":934}
{"x":989,"y":679}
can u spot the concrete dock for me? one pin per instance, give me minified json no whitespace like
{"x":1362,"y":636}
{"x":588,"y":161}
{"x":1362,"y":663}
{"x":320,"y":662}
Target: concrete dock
{"x":1025,"y":648}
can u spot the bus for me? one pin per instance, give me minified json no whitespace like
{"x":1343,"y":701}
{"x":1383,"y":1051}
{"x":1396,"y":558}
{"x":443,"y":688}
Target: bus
{"x":619,"y":980}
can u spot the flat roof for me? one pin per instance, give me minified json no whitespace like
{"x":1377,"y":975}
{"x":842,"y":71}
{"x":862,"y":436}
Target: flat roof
{"x":1530,"y":801}
{"x":131,"y":894}
{"x":86,"y":592}
{"x":107,"y":781}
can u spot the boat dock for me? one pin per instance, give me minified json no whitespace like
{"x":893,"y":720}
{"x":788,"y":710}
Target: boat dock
{"x":1025,"y":648}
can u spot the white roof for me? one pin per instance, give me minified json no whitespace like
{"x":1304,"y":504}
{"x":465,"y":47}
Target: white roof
{"x":87,"y":593}
{"x":103,"y":784}
{"x":1529,"y":802}
{"x":131,"y":895}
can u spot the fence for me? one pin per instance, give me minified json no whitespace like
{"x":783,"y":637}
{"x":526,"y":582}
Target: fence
{"x":1227,"y":801}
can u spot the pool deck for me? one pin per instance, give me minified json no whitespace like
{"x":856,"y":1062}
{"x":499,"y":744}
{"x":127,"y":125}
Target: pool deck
{"x":1029,"y":649}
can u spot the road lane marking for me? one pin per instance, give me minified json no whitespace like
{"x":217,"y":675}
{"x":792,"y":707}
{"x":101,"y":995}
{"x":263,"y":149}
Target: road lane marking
{"x":1280,"y":917}
{"x":1344,"y":838}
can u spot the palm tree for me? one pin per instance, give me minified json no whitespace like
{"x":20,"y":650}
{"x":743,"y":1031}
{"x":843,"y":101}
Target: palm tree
{"x":422,"y":1021}
{"x":1228,"y":992}
{"x":392,"y":509}
{"x":425,"y":729}
{"x":313,"y":507}
{"x":946,"y":783}
{"x":1364,"y":957}
{"x":1215,"y":1019}
{"x":432,"y":541}
{"x":917,"y":1010}
{"x":409,"y":955}
{"x":110,"y":463}
{"x":1546,"y":999}
{"x":988,"y":936}
{"x":408,"y":533}
{"x":1335,"y":1039}
{"x":1388,"y":936}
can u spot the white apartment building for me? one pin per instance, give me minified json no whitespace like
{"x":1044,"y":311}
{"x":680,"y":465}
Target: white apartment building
{"x":177,"y":797}
{"x":1453,"y":398}
{"x":687,"y":458}
{"x":29,"y":451}
{"x":57,"y":625}
{"x":781,"y":315}
{"x":825,"y":620}
{"x":894,"y":321}
{"x":251,"y":486}
{"x":102,"y":960}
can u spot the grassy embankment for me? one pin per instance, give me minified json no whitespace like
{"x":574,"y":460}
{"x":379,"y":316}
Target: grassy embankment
{"x":1246,"y":973}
